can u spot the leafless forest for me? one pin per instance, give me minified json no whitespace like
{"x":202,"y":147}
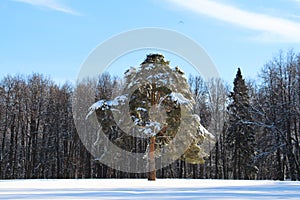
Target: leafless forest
{"x":38,"y":138}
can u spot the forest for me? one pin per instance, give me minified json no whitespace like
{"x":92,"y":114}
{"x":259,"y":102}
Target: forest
{"x":257,"y":121}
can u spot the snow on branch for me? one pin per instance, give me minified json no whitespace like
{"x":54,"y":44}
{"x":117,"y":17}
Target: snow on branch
{"x":178,"y":97}
{"x":106,"y":104}
{"x":206,"y":133}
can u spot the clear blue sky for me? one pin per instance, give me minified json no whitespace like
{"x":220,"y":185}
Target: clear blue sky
{"x":54,"y":37}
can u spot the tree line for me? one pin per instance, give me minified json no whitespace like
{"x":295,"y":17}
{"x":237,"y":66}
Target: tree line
{"x":257,"y":124}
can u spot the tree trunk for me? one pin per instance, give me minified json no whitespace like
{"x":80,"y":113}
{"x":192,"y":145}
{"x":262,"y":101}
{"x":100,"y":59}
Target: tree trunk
{"x":152,"y":172}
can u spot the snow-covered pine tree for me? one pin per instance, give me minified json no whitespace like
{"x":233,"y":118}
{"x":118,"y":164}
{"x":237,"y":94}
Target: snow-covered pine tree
{"x":160,"y":108}
{"x":240,"y":131}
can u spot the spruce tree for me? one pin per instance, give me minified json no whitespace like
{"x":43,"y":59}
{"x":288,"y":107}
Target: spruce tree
{"x":240,"y":132}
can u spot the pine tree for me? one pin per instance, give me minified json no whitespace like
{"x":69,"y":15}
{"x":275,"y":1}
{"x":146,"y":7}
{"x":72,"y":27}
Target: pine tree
{"x":240,"y":132}
{"x":160,"y":109}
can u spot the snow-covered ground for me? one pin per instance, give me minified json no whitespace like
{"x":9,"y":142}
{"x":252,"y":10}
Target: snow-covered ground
{"x":143,"y":189}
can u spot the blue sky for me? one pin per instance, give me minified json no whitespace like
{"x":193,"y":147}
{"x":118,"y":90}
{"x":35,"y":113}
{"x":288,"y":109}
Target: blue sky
{"x":54,"y":37}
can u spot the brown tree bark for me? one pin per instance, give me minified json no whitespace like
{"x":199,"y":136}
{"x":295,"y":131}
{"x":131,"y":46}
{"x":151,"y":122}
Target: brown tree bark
{"x":152,"y":172}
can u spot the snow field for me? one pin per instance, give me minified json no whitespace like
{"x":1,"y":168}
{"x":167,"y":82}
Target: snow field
{"x":143,"y":189}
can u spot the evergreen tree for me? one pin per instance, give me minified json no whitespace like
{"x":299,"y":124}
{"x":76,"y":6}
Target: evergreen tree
{"x":160,"y":110}
{"x":240,"y":132}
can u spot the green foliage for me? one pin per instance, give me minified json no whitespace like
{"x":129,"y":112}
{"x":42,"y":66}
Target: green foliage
{"x":160,"y":105}
{"x":240,"y":132}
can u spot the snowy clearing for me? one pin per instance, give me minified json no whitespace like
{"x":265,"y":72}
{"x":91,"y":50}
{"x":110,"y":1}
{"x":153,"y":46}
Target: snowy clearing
{"x":143,"y":189}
